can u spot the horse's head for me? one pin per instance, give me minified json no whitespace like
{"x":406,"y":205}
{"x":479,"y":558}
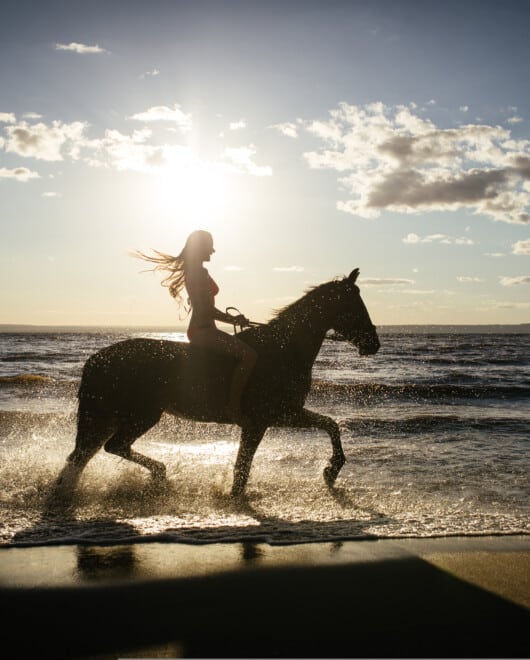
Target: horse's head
{"x":352,"y":320}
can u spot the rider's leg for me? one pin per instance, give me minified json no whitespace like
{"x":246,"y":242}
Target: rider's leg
{"x":239,"y":380}
{"x":245,"y":355}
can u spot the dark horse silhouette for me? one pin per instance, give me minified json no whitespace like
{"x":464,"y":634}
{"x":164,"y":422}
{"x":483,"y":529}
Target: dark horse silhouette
{"x":126,"y":386}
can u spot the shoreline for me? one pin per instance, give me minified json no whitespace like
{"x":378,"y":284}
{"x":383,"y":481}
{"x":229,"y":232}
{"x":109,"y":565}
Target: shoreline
{"x":425,"y":328}
{"x":434,"y":597}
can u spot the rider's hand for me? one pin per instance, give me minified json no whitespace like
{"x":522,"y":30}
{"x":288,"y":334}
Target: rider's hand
{"x":242,"y":321}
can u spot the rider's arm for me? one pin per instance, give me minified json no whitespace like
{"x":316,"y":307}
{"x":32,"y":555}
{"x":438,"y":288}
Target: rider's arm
{"x":202,"y":301}
{"x":221,"y":316}
{"x":238,"y":319}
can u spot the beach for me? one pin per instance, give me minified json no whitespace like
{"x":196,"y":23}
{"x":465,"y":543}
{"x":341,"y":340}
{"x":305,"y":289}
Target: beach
{"x":437,"y":597}
{"x":421,"y":549}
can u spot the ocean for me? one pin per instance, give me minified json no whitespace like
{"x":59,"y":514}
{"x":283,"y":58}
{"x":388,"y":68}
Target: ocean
{"x":435,"y":428}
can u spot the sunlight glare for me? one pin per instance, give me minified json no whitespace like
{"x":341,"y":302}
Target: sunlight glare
{"x":197,"y":195}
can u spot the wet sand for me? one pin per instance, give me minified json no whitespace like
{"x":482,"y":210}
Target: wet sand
{"x":448,"y":597}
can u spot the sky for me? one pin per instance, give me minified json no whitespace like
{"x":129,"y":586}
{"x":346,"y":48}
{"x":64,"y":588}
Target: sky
{"x":310,"y":138}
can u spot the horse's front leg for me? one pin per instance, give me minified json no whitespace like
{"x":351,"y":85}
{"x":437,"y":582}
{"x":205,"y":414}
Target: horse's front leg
{"x":250,"y":438}
{"x":309,"y":419}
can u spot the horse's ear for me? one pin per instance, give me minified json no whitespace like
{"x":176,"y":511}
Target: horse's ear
{"x":353,"y":276}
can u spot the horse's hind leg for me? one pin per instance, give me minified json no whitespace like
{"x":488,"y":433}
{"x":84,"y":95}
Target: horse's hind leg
{"x":93,"y":428}
{"x":131,"y":429}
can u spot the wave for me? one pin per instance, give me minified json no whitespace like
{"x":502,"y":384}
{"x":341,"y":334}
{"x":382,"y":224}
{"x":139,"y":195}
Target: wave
{"x":27,"y":380}
{"x":435,"y":423}
{"x":359,"y":392}
{"x":396,"y":425}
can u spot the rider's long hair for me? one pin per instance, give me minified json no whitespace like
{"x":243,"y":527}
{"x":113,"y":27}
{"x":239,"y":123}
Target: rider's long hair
{"x":176,"y":266}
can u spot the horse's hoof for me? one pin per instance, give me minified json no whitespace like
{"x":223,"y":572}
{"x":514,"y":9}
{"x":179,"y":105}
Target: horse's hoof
{"x":330,"y":476}
{"x":236,"y":494}
{"x":158,"y":474}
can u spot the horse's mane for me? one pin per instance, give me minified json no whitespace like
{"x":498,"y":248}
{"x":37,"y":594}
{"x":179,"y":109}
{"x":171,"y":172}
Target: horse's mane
{"x":291,"y":309}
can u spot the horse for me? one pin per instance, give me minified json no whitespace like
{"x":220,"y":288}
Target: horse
{"x":127,"y":386}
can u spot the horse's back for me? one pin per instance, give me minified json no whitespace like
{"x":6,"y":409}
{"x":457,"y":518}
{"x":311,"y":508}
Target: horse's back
{"x":142,"y":373}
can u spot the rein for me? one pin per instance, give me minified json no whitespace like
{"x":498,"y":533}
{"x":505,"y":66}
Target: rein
{"x":237,"y":313}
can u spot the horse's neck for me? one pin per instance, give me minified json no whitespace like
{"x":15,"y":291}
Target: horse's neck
{"x":303,"y":335}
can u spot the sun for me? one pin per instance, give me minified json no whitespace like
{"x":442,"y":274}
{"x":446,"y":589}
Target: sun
{"x":196,"y":195}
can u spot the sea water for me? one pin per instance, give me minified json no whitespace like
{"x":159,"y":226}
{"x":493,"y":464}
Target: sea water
{"x":435,"y":428}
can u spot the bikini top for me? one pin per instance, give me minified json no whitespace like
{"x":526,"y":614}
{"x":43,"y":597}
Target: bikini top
{"x":212,"y":286}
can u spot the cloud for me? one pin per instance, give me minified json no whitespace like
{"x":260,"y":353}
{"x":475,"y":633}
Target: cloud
{"x":521,"y":247}
{"x":512,"y":305}
{"x":514,"y":120}
{"x":494,"y":254}
{"x":423,"y":292}
{"x":513,"y":281}
{"x":288,"y":269}
{"x":387,"y":281}
{"x":165,"y":113}
{"x":7,"y":117}
{"x":19,"y":173}
{"x":288,"y":128}
{"x":241,"y":160}
{"x":51,"y":194}
{"x":464,"y":108}
{"x":82,"y":49}
{"x":465,"y":278}
{"x":138,"y":151}
{"x":153,"y":73}
{"x":236,"y":125}
{"x":413,"y":239}
{"x":42,"y":141}
{"x":130,"y":152}
{"x":390,"y":158}
{"x":32,"y":115}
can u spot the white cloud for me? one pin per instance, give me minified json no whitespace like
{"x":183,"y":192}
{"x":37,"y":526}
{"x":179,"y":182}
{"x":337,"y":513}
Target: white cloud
{"x":513,"y":281}
{"x":82,"y":49}
{"x":138,"y":151}
{"x":494,"y":254}
{"x":241,"y":160}
{"x":19,"y":173}
{"x":466,"y":278}
{"x":153,"y":73}
{"x":521,"y":247}
{"x":389,"y":158}
{"x":7,"y":117}
{"x":421,"y":292}
{"x":42,"y":141}
{"x":387,"y":281}
{"x":413,"y":239}
{"x":165,"y":113}
{"x":130,"y":152}
{"x":514,"y":120}
{"x":288,"y":128}
{"x":236,"y":125}
{"x":464,"y":108}
{"x":51,"y":194}
{"x":289,"y":269}
{"x":514,"y":305}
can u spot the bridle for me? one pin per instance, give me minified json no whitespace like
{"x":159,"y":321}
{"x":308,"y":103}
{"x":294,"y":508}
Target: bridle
{"x":250,"y":324}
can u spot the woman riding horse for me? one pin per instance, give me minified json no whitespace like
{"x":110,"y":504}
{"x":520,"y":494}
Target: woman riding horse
{"x":187,"y":270}
{"x":127,"y":386}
